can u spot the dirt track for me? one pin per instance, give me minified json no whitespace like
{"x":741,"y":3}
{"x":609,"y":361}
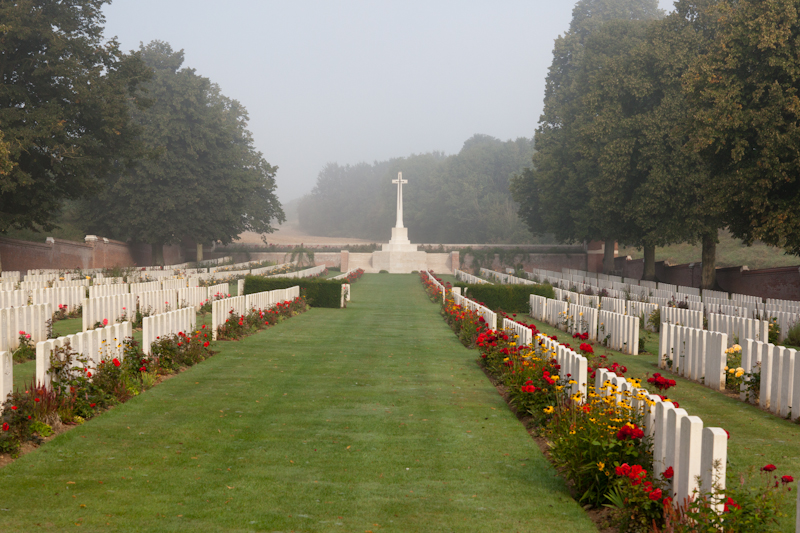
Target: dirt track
{"x":289,"y":233}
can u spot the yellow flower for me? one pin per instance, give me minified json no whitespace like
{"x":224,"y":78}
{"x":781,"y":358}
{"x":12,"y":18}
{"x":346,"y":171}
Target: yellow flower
{"x":572,"y":432}
{"x":601,"y":465}
{"x":548,"y":410}
{"x":732,"y":371}
{"x":572,"y":382}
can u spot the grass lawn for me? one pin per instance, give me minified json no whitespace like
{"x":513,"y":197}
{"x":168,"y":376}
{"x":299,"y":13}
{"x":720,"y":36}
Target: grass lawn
{"x":757,"y":437}
{"x":730,"y":252}
{"x":370,"y":418}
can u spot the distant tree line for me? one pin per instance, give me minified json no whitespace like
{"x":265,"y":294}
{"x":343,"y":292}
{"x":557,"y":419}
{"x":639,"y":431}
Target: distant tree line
{"x":462,"y":198}
{"x":663,"y":129}
{"x":143,"y":149}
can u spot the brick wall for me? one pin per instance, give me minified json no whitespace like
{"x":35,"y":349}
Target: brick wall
{"x":783,"y":282}
{"x":57,"y":253}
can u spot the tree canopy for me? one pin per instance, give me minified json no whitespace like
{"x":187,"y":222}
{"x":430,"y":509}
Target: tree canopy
{"x":202,"y":179}
{"x":555,"y":195}
{"x":65,"y":106}
{"x":744,"y":90}
{"x":462,"y":198}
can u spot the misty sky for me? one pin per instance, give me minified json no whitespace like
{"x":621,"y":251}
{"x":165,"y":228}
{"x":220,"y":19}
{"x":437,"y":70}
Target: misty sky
{"x":351,"y":81}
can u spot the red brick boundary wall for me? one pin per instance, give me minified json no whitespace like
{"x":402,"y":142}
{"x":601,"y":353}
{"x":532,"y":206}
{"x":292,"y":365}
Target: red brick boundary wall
{"x":782,"y":282}
{"x":61,"y":254}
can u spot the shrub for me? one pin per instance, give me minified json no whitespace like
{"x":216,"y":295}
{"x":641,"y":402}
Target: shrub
{"x":793,"y":335}
{"x":509,"y":298}
{"x":26,"y":350}
{"x":317,"y":292}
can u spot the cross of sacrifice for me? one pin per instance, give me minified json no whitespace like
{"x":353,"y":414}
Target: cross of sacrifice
{"x":399,"y":181}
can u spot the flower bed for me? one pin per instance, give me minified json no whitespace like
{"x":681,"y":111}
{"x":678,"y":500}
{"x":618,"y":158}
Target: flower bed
{"x":597,"y":439}
{"x":237,"y":326}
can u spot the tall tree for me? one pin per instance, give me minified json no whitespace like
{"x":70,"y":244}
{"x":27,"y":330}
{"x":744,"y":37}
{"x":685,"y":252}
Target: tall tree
{"x":744,"y":89}
{"x":560,"y":169}
{"x":203,"y":180}
{"x":633,"y":122}
{"x":64,"y":106}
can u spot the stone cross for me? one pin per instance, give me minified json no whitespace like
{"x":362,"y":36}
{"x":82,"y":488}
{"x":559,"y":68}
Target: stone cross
{"x":399,"y":181}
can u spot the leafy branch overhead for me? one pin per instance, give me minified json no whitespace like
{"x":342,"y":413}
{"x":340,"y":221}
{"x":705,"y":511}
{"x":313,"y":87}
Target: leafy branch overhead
{"x":202,"y":180}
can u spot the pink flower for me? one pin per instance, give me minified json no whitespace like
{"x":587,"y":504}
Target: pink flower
{"x":105,"y":321}
{"x":27,"y":335}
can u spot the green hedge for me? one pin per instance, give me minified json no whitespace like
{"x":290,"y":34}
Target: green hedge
{"x":318,"y":292}
{"x":509,"y":298}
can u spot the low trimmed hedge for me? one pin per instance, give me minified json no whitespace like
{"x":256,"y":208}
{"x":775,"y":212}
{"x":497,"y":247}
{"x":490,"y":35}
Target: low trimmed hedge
{"x":317,"y":292}
{"x":509,"y":298}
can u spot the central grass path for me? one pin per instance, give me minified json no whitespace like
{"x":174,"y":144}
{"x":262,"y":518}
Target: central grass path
{"x":370,"y":418}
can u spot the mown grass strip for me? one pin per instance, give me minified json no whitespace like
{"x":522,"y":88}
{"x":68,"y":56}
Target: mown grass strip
{"x":369,"y":418}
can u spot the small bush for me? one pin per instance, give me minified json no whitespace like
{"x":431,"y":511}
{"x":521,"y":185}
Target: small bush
{"x":317,"y":292}
{"x":793,"y":335}
{"x":509,"y":298}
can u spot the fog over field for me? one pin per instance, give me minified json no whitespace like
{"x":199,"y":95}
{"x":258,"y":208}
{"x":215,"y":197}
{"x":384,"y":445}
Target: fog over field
{"x":358,"y":81}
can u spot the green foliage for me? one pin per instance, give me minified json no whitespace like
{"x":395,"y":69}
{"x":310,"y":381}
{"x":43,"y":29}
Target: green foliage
{"x":455,"y":199}
{"x":65,"y":107}
{"x":565,"y":160}
{"x":509,"y":298}
{"x":26,"y":350}
{"x":793,"y":335}
{"x":317,"y":292}
{"x":743,"y":88}
{"x":203,"y":179}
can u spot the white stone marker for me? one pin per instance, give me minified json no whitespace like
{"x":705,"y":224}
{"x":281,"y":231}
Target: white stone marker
{"x":672,"y":456}
{"x":691,"y":444}
{"x":715,"y":448}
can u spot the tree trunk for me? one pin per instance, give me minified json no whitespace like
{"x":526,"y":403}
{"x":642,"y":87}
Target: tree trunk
{"x":608,"y":257}
{"x":649,"y":273}
{"x":709,"y":274}
{"x":157,"y":252}
{"x":199,"y":252}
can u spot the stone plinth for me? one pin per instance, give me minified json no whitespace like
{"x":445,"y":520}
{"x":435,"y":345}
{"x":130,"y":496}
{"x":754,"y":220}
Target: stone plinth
{"x":399,"y":242}
{"x":399,"y":261}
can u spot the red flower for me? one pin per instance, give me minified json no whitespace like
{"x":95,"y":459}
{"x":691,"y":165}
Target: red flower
{"x":623,"y":469}
{"x":667,"y":501}
{"x":787,"y":479}
{"x":92,"y":404}
{"x":37,"y":400}
{"x":730,"y":504}
{"x":88,"y":374}
{"x":116,"y":362}
{"x":668,"y":473}
{"x":14,"y":407}
{"x":768,"y":468}
{"x":143,"y":369}
{"x":655,"y":495}
{"x":627,"y":432}
{"x":585,"y":347}
{"x":728,"y":434}
{"x":5,"y":426}
{"x":586,"y":408}
{"x":205,"y":344}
